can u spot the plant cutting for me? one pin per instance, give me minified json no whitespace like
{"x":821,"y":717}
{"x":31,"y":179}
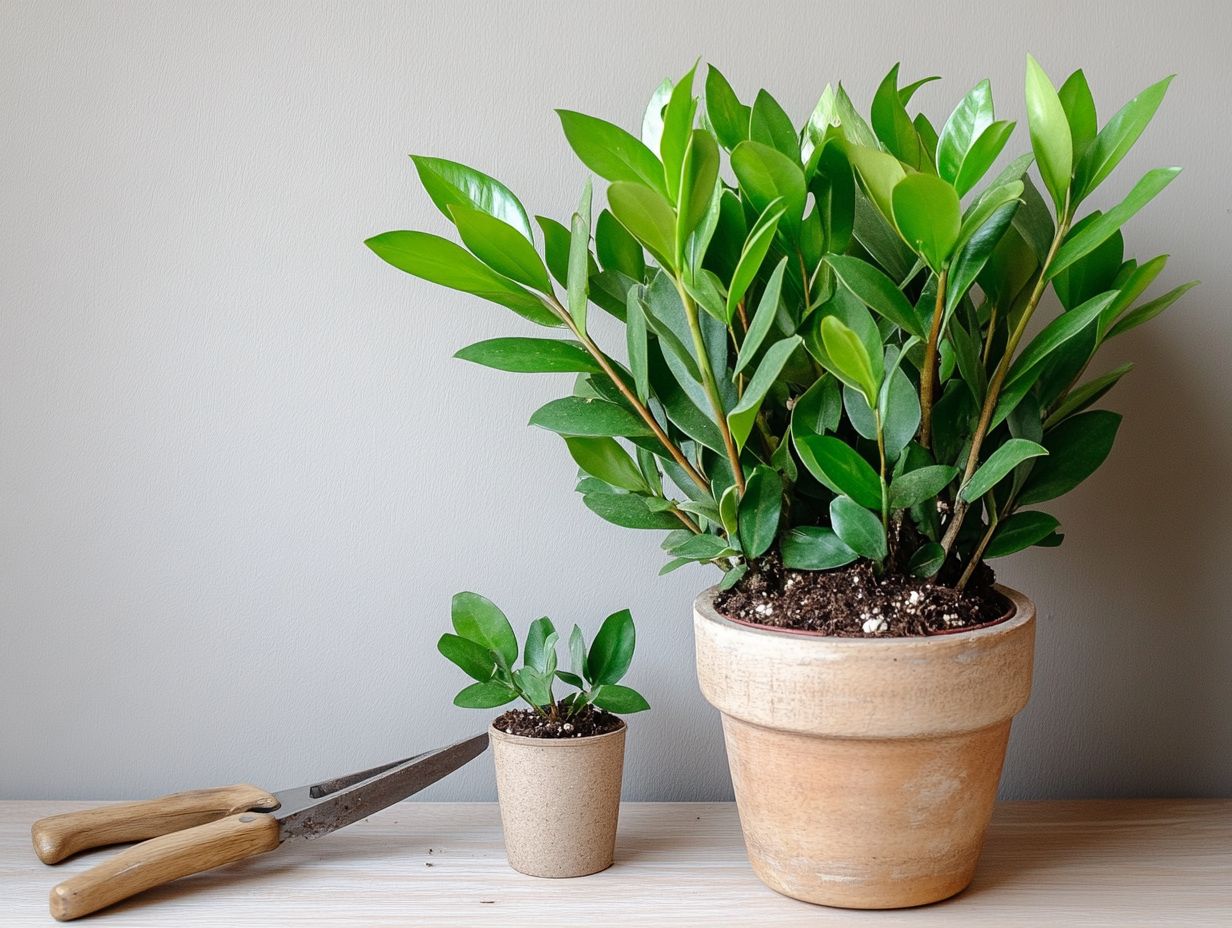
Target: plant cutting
{"x":558,"y":761}
{"x":854,"y":360}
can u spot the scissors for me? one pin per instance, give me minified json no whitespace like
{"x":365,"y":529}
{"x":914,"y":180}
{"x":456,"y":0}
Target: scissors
{"x":199,"y":830}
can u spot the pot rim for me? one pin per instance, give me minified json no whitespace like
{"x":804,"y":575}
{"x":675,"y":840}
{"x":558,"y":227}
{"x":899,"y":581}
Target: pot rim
{"x":1021,"y":611}
{"x":494,"y":732}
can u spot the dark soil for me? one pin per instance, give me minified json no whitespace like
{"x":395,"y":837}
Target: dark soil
{"x":530,"y":724}
{"x":852,"y":602}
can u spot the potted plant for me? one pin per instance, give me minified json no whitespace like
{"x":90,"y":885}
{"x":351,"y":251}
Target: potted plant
{"x":558,"y":762}
{"x":837,"y":384}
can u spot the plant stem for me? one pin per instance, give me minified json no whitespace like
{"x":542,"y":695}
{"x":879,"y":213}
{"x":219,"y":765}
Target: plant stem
{"x":881,"y":454}
{"x":992,"y":327}
{"x":998,"y":379}
{"x":978,"y":553}
{"x":711,"y":385}
{"x":928,"y":373}
{"x":647,"y":417}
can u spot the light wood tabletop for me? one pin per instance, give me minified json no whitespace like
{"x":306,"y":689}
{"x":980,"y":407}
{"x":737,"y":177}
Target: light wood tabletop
{"x":1088,"y":864}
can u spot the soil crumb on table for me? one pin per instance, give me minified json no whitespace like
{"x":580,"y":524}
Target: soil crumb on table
{"x":530,"y":724}
{"x":853,"y":602}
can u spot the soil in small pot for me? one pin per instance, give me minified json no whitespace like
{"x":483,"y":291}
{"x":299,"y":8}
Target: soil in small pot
{"x":530,"y":724}
{"x":853,"y":602}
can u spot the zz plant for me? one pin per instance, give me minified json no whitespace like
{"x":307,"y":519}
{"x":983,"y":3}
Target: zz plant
{"x":486,"y":649}
{"x":826,"y":342}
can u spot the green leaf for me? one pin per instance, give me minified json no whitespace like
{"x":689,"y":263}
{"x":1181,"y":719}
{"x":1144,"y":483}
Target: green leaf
{"x":833,"y":187}
{"x":740,"y":420}
{"x":983,"y":153}
{"x":928,"y":216}
{"x":531,"y":356}
{"x":636,"y":340}
{"x":752,"y":254}
{"x":619,"y":699}
{"x":604,"y":458}
{"x":652,"y":119}
{"x":647,"y":216}
{"x":1148,"y":311}
{"x":617,"y":249}
{"x":1116,"y":139}
{"x":474,"y":659}
{"x":926,"y":560}
{"x":1020,"y":530}
{"x":880,"y":174}
{"x":770,"y":125}
{"x":485,"y":696}
{"x":612,"y":650}
{"x":877,"y":291}
{"x":818,"y":411}
{"x":999,"y":463}
{"x":976,"y":252}
{"x":578,"y":279}
{"x":678,"y":118}
{"x":1083,"y":240}
{"x":501,"y":247}
{"x":812,"y":547}
{"x":766,"y":175}
{"x":611,"y":152}
{"x":919,"y":485}
{"x":697,"y":183}
{"x":1090,"y":392}
{"x":1079,"y":106}
{"x":478,"y":619}
{"x":858,"y":528}
{"x":892,"y":124}
{"x":540,"y":638}
{"x":900,"y":412}
{"x":838,"y":466}
{"x":728,"y":116}
{"x":763,"y":318}
{"x":969,"y":119}
{"x":759,"y":510}
{"x":577,"y":415}
{"x":535,"y":686}
{"x":577,"y":652}
{"x":449,"y":183}
{"x":1050,"y":137}
{"x":700,"y":547}
{"x":440,"y":261}
{"x":628,"y":511}
{"x":849,"y":358}
{"x":848,"y":118}
{"x":1076,"y":448}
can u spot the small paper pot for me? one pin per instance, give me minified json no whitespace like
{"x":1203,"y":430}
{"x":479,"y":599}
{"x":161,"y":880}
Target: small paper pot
{"x":559,"y":801}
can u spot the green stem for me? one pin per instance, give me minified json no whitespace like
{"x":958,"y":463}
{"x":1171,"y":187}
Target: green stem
{"x":928,"y":373}
{"x":885,"y":492}
{"x":993,"y":521}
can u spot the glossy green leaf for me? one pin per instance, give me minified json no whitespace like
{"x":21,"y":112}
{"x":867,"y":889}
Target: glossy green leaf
{"x":892,"y":124}
{"x":1088,"y":393}
{"x":833,"y":187}
{"x":603,"y":457}
{"x":555,"y":248}
{"x":612,"y":650}
{"x":840,"y":467}
{"x":501,"y":247}
{"x":923,"y":483}
{"x":759,"y":510}
{"x":766,"y":175}
{"x":474,"y":659}
{"x":763,"y":318}
{"x":697,"y":182}
{"x":611,"y":152}
{"x":1076,"y":449}
{"x":578,"y":279}
{"x":855,"y":130}
{"x":647,"y":216}
{"x":998,"y":465}
{"x":977,"y":250}
{"x":1094,"y":272}
{"x":1050,"y":137}
{"x":1148,"y":311}
{"x":534,"y":686}
{"x":858,"y":528}
{"x":983,"y":153}
{"x":619,"y":699}
{"x":440,"y":261}
{"x":616,"y":249}
{"x":1082,"y":241}
{"x":900,"y":412}
{"x":628,"y":511}
{"x":540,"y":638}
{"x":531,"y":356}
{"x":700,"y":547}
{"x":926,"y":560}
{"x":741,"y":419}
{"x":928,"y":216}
{"x":449,"y":183}
{"x":880,"y":173}
{"x":849,"y":358}
{"x":478,"y":619}
{"x":969,"y":119}
{"x":576,"y":415}
{"x":577,"y":652}
{"x":770,"y":125}
{"x":1079,"y":106}
{"x":678,"y":118}
{"x":877,"y":291}
{"x":637,"y":343}
{"x":753,"y":254}
{"x":652,"y":119}
{"x":818,"y":411}
{"x":485,"y":696}
{"x":814,"y":547}
{"x":1117,"y":138}
{"x":1020,"y":530}
{"x":728,"y":116}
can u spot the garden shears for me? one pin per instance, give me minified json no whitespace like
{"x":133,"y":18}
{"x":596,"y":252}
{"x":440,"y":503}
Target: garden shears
{"x":199,"y":830}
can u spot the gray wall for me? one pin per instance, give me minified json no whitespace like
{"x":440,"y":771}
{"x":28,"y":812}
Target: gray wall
{"x":240,"y":475}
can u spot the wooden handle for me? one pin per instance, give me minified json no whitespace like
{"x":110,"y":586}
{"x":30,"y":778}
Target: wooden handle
{"x":161,"y":860}
{"x":60,"y":836}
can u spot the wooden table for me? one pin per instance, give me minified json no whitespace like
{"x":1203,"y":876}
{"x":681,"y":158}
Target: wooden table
{"x":1087,"y":864}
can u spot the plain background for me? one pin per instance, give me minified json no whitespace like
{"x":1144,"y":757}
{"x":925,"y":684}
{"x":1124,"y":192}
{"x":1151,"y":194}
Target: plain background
{"x":241,"y":476}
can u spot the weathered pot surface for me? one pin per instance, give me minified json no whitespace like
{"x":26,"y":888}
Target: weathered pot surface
{"x":559,"y":800}
{"x":865,"y":770}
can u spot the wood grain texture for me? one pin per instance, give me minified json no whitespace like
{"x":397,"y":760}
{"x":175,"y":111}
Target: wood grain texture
{"x":163,"y":860}
{"x":1104,"y":864}
{"x":58,"y":837}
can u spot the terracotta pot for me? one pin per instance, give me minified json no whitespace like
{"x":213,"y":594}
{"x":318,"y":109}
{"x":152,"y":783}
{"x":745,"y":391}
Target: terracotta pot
{"x":559,"y":801}
{"x":865,"y":770}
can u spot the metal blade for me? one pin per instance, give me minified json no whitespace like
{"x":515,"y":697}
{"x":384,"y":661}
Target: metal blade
{"x":305,"y":815}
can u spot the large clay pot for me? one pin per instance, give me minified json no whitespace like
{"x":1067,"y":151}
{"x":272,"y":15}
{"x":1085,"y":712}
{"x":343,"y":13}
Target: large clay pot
{"x":865,"y":770}
{"x":559,"y":801}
